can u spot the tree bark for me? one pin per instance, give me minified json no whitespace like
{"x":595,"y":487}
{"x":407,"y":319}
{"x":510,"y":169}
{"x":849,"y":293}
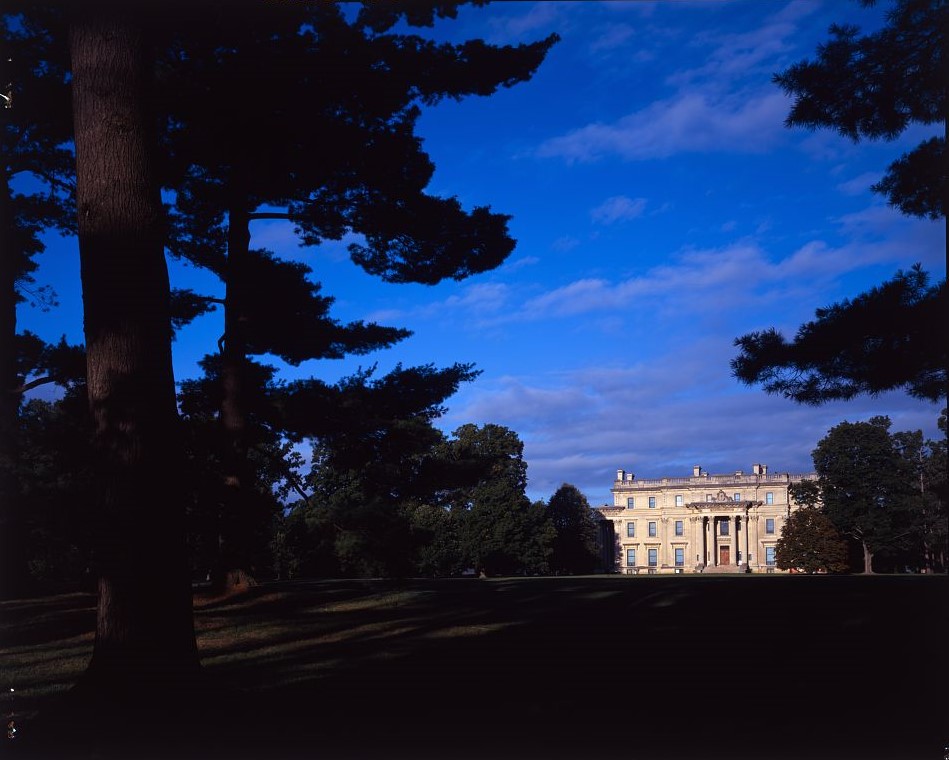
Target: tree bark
{"x":867,"y":559}
{"x":13,"y":574}
{"x":144,"y":625}
{"x":234,"y":562}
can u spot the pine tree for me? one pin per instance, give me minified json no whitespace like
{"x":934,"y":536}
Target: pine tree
{"x":300,"y":111}
{"x":874,"y":86}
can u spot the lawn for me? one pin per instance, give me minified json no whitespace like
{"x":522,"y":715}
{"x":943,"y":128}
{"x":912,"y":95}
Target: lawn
{"x":666,"y":667}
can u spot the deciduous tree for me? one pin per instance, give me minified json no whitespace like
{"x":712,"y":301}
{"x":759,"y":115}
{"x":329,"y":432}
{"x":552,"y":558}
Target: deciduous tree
{"x":865,"y":486}
{"x":574,"y":547}
{"x":809,"y":540}
{"x":502,"y":532}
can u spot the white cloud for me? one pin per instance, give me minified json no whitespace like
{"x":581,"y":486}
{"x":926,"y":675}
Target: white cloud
{"x":612,"y":37}
{"x":617,"y":209}
{"x":689,"y":122}
{"x":861,"y":184}
{"x":475,"y":300}
{"x":725,"y":284}
{"x":735,"y":56}
{"x":566,"y":243}
{"x":538,"y":17}
{"x":524,"y":261}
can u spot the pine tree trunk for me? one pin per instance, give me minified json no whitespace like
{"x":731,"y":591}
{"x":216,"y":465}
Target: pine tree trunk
{"x":144,"y":626}
{"x":867,"y":559}
{"x":13,"y":574}
{"x":234,"y":568}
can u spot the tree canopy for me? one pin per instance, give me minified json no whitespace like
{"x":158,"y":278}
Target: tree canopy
{"x":866,"y":486}
{"x":809,"y":539}
{"x":574,"y":547}
{"x":894,"y":336}
{"x":327,"y":143}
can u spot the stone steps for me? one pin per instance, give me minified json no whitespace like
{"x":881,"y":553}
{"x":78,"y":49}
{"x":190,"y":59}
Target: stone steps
{"x":723,"y":569}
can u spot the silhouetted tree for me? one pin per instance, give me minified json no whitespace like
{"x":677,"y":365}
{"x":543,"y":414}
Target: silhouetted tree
{"x":894,"y":336}
{"x":376,"y":464}
{"x":327,"y":142}
{"x":54,"y":473}
{"x":574,"y":547}
{"x":873,"y":86}
{"x":36,"y":124}
{"x":272,"y":468}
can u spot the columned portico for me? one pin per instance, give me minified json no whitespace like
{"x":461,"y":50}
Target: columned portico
{"x":730,"y":519}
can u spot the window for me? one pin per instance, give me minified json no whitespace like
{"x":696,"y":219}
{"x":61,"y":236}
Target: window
{"x":678,"y":527}
{"x":769,"y":525}
{"x":630,"y":503}
{"x":653,"y":557}
{"x":723,"y":528}
{"x":630,"y":530}
{"x":737,"y":497}
{"x":769,"y":497}
{"x":708,"y":497}
{"x":769,"y":555}
{"x":680,"y":556}
{"x":630,"y":558}
{"x":679,"y":500}
{"x":652,"y":502}
{"x":652,"y":529}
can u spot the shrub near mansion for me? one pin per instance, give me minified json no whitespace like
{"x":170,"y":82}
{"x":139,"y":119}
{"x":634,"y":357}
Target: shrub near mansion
{"x":706,"y":523}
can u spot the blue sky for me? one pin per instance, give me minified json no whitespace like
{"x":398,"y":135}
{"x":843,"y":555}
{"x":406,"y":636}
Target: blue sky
{"x":661,"y":210}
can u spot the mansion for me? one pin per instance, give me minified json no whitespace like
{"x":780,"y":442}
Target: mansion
{"x":700,"y":524}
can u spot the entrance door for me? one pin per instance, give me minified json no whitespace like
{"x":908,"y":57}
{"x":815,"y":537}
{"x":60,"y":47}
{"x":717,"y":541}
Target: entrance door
{"x":724,"y":555}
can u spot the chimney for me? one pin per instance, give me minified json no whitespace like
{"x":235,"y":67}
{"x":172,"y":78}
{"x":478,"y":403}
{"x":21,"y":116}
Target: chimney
{"x":696,"y":471}
{"x":756,"y":469}
{"x":621,"y":474}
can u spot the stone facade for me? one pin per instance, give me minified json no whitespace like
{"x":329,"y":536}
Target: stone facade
{"x":704,"y":523}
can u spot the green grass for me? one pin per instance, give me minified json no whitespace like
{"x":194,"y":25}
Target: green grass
{"x":646,"y":667}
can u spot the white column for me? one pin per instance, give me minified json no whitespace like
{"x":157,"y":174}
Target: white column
{"x":711,"y":523}
{"x":747,"y":531}
{"x":735,"y":541}
{"x":705,"y":541}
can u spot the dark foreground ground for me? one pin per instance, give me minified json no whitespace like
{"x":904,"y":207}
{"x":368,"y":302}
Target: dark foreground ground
{"x":660,"y":668}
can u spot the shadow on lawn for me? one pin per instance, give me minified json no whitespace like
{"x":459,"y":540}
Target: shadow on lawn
{"x":667,"y":667}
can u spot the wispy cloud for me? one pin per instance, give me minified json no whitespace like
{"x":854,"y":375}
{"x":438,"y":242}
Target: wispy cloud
{"x":618,"y":208}
{"x":476,"y":300}
{"x":859,"y":185}
{"x":612,"y":37}
{"x":539,"y":17}
{"x":691,"y":122}
{"x":566,"y":243}
{"x":726,"y":283}
{"x":736,"y":56}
